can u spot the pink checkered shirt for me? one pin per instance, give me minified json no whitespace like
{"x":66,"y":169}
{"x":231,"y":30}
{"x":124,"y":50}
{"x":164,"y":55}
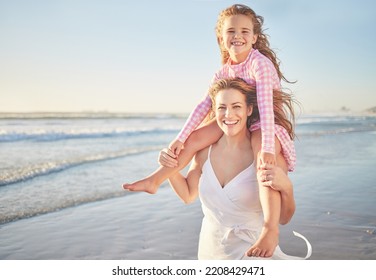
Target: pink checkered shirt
{"x":259,"y":71}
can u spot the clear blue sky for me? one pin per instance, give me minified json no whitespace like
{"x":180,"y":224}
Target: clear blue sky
{"x":159,"y":56}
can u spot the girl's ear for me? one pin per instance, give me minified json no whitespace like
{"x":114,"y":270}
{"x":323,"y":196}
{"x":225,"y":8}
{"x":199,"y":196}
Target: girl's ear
{"x":254,"y":39}
{"x":220,"y":40}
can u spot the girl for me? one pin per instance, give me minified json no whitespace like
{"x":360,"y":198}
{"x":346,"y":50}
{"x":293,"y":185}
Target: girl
{"x":245,"y":54}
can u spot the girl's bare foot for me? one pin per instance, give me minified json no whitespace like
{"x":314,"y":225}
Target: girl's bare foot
{"x":266,"y":244}
{"x":144,"y":185}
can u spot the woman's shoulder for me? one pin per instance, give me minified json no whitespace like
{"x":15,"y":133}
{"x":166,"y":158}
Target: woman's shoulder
{"x":202,"y":155}
{"x":256,"y":139}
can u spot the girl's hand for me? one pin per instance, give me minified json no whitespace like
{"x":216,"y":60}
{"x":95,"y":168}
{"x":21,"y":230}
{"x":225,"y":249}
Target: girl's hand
{"x":267,"y":158}
{"x":167,"y":158}
{"x":176,"y":146}
{"x":273,"y":176}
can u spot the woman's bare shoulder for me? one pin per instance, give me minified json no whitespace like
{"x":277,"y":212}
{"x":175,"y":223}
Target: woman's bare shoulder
{"x":201,"y":156}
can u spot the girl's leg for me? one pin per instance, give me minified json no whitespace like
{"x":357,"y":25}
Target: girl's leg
{"x":199,"y":139}
{"x":271,"y":205}
{"x":269,"y":238}
{"x":287,"y":146}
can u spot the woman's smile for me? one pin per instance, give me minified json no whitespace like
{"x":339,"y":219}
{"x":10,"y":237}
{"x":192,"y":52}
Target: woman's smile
{"x":227,"y":122}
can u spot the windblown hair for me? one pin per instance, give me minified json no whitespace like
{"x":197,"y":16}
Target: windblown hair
{"x":283,"y":103}
{"x":262,"y":44}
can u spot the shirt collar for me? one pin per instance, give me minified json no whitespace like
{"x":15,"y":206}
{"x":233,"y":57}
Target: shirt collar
{"x":239,"y":65}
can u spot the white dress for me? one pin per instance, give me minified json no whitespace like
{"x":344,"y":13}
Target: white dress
{"x":233,"y":216}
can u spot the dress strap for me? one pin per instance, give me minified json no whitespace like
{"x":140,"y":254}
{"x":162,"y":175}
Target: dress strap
{"x":209,"y":152}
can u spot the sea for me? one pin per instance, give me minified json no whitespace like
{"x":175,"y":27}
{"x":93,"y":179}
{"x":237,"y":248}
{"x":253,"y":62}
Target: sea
{"x":53,"y":161}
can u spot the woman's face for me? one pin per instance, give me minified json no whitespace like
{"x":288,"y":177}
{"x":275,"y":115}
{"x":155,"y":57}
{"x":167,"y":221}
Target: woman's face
{"x":231,"y":111}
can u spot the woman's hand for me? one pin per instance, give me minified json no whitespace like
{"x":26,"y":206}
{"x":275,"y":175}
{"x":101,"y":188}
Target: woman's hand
{"x":273,"y":176}
{"x":167,"y":158}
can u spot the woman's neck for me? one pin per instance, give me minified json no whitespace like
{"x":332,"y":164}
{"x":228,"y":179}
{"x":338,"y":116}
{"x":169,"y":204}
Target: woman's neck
{"x":240,"y":140}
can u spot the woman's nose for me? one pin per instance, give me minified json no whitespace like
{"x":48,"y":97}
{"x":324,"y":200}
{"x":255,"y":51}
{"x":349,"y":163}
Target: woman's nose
{"x":228,"y":112}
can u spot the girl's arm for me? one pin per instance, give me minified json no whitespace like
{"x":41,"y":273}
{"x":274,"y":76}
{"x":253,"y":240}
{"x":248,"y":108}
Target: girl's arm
{"x":197,"y":115}
{"x":266,"y":79}
{"x":195,"y":119}
{"x":187,"y":187}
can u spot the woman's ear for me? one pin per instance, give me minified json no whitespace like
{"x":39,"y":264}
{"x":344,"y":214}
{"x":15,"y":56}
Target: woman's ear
{"x":250,"y":110}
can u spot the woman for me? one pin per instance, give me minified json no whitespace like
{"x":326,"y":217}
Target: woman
{"x":226,"y":178}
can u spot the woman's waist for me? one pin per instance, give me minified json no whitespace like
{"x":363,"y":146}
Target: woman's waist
{"x":252,"y":221}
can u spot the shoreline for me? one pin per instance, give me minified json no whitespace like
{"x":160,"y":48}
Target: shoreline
{"x":129,"y":227}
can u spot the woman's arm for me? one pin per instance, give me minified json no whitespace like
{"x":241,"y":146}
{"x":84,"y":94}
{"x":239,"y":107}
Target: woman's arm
{"x":187,"y":187}
{"x":279,"y":181}
{"x":276,"y":177}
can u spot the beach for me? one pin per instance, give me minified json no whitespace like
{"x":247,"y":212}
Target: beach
{"x":74,"y":208}
{"x":118,"y":228}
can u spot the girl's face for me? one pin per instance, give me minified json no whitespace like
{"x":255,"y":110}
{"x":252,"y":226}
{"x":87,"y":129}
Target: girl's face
{"x":238,"y":37}
{"x":231,"y":111}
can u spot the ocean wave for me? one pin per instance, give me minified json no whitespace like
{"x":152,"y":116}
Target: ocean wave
{"x":55,"y":135}
{"x":322,"y":119}
{"x":326,"y":125}
{"x":31,"y":171}
{"x":335,"y":131}
{"x":88,"y":115}
{"x":45,"y":208}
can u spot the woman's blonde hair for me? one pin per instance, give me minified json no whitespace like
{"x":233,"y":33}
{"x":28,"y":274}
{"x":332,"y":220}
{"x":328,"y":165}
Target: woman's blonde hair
{"x":262,"y":43}
{"x":283,"y":103}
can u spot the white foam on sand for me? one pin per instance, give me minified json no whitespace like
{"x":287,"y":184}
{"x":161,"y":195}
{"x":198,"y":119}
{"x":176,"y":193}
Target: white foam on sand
{"x":138,"y":226}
